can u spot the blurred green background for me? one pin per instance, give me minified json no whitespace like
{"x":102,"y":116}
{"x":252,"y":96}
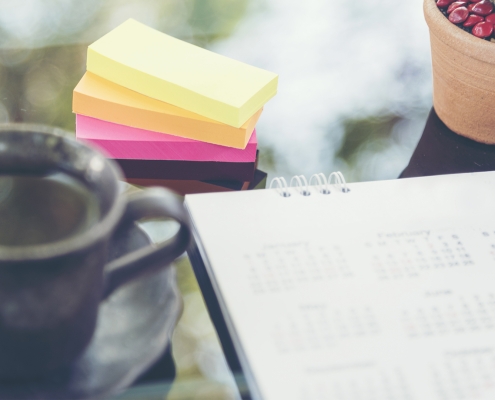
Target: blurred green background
{"x":354,"y":93}
{"x":354,"y":88}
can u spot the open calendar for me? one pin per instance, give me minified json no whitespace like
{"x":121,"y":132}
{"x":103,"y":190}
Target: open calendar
{"x":366,"y":291}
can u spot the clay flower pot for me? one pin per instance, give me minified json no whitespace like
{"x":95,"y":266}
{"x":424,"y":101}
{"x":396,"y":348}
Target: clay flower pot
{"x":463,"y":77}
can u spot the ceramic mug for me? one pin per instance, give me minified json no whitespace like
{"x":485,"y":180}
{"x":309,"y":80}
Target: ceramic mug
{"x":50,"y":291}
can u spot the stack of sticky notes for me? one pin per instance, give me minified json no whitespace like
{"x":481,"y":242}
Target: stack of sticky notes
{"x":171,"y":113}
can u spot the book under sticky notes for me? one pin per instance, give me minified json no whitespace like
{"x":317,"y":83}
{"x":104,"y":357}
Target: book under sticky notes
{"x":100,"y":98}
{"x":184,"y":187}
{"x":188,"y":170}
{"x":165,"y":68}
{"x":120,"y":141}
{"x":385,"y":291}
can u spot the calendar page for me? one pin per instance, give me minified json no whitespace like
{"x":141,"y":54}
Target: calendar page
{"x":384,"y":292}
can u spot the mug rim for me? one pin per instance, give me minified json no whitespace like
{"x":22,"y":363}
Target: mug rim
{"x":78,"y":241}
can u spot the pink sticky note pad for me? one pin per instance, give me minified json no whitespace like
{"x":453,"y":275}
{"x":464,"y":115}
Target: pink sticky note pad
{"x":125,"y":142}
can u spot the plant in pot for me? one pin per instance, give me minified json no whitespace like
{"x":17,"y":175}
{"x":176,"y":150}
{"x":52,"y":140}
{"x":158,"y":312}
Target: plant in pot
{"x":462,"y":36}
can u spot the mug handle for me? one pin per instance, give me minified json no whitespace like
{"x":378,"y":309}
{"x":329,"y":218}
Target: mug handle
{"x":150,"y":203}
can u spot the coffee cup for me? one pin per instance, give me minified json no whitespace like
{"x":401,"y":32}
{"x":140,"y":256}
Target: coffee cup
{"x":60,"y":206}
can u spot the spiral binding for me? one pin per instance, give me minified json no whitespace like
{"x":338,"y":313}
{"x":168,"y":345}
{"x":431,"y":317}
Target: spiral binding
{"x":320,"y":182}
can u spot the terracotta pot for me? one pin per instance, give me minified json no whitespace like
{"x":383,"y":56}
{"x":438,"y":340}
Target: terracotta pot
{"x":463,"y":77}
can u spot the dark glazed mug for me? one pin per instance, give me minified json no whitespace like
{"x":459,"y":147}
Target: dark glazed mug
{"x":50,"y":292}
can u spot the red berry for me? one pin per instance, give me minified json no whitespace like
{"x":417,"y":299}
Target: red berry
{"x":456,"y":4}
{"x":470,"y":7}
{"x":459,"y":15}
{"x":482,"y":29}
{"x":474,"y":1}
{"x":473,"y":20}
{"x":490,"y":18}
{"x":444,"y":3}
{"x":484,"y":7}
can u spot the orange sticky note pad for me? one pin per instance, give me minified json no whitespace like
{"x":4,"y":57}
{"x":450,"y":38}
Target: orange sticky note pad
{"x":99,"y":98}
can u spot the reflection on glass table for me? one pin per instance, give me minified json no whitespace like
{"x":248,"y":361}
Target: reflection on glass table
{"x":201,"y":389}
{"x":201,"y":369}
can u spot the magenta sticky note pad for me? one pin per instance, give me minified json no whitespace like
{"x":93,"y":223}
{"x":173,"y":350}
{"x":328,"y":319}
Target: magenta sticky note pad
{"x":125,"y":142}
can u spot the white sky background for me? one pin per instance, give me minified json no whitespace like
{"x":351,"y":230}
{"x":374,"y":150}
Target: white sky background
{"x":335,"y":59}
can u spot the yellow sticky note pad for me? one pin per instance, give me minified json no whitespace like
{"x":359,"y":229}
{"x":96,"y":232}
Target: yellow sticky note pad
{"x":168,"y":69}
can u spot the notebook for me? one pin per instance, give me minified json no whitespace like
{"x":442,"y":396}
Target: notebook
{"x":376,"y":290}
{"x":184,"y":187}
